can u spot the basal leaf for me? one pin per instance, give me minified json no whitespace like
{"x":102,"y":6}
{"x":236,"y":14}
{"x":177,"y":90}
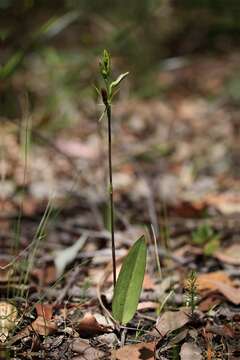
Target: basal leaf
{"x":129,"y":283}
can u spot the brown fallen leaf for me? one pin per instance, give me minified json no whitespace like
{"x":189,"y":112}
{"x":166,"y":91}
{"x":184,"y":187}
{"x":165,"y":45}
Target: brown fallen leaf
{"x":20,"y":335}
{"x":209,"y":302}
{"x":142,"y":351}
{"x":206,"y":281}
{"x":85,"y":350}
{"x":43,"y":327}
{"x":219,"y":281}
{"x":146,"y":305}
{"x":222,"y":330}
{"x":230,"y":255}
{"x":230,"y":293}
{"x":227,"y":203}
{"x":44,"y":310}
{"x":89,"y":326}
{"x":190,"y":351}
{"x":170,"y":321}
{"x":187,"y":209}
{"x":188,"y":251}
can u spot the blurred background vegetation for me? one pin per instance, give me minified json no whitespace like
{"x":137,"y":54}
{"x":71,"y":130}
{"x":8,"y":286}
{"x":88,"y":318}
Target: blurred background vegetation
{"x":49,"y":49}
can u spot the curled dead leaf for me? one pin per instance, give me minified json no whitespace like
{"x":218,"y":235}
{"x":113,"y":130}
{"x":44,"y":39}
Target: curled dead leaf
{"x":44,"y":310}
{"x":89,"y":326}
{"x":43,"y":326}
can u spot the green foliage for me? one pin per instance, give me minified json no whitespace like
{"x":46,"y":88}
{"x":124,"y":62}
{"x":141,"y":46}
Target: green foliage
{"x":105,"y":65}
{"x":212,"y":246}
{"x":191,"y":292}
{"x":107,"y":93}
{"x":140,"y":33}
{"x":115,"y":83}
{"x":129,"y":283}
{"x":206,"y":237}
{"x":174,"y":352}
{"x":11,"y":65}
{"x":128,"y":287}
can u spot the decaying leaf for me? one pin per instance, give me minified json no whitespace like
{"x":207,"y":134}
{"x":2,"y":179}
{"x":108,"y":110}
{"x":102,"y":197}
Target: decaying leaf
{"x":230,"y":255}
{"x":219,"y":281}
{"x":20,"y":335}
{"x":190,"y":351}
{"x":43,"y":326}
{"x":171,"y":320}
{"x":85,"y":350}
{"x":230,"y":293}
{"x":222,"y":330}
{"x":89,"y":326}
{"x":44,"y":310}
{"x":209,"y":302}
{"x":228,"y":203}
{"x":206,"y":281}
{"x":44,"y":323}
{"x":142,"y":351}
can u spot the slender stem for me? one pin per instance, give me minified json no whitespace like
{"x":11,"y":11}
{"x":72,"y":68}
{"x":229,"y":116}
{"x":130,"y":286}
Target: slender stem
{"x":108,"y":107}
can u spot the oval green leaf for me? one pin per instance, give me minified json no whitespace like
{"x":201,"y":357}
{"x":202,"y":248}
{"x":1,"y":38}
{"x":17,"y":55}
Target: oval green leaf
{"x":129,"y":283}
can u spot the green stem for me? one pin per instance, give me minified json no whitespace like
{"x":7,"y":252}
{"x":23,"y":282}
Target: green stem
{"x":108,"y":108}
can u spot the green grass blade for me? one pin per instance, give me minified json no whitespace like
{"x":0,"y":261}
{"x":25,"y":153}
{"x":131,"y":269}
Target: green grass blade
{"x":11,"y":65}
{"x":129,"y":283}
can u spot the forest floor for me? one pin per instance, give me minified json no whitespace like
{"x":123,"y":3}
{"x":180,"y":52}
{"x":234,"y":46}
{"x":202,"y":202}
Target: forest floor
{"x":176,"y":170}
